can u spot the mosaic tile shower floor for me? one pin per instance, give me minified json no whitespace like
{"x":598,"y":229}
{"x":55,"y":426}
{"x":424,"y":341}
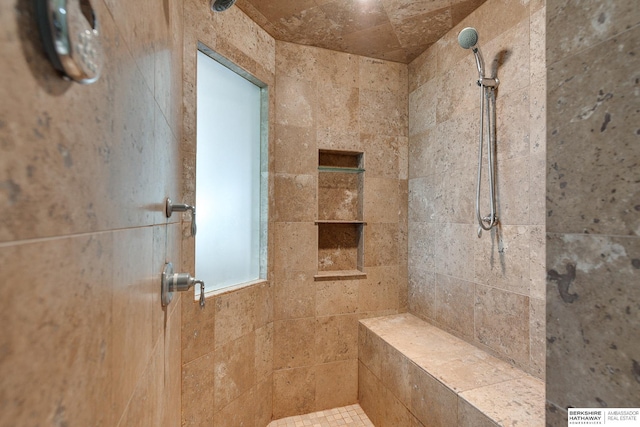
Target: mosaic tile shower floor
{"x":351,"y":416}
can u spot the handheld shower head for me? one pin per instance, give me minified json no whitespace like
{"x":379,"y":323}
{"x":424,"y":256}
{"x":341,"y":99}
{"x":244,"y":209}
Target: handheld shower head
{"x":468,"y":38}
{"x":221,"y":5}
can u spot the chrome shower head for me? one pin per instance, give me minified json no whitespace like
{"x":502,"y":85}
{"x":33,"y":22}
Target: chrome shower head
{"x":221,"y":5}
{"x":468,"y":38}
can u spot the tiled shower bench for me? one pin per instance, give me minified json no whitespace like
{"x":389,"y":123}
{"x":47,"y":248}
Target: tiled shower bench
{"x":412,"y":374}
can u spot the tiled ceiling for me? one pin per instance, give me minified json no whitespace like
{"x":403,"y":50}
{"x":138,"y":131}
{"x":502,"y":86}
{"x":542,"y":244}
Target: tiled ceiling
{"x":395,"y":30}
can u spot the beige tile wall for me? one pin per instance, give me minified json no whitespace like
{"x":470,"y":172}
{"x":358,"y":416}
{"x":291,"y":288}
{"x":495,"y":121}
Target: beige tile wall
{"x":84,"y":171}
{"x":593,"y":249}
{"x":227,"y":347}
{"x":330,"y":100}
{"x":488,"y":290}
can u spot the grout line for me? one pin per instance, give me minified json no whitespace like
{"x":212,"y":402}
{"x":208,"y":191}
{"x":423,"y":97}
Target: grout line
{"x":45,"y":239}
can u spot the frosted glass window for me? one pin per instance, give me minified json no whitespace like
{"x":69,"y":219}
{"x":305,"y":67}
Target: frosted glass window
{"x":228,"y":177}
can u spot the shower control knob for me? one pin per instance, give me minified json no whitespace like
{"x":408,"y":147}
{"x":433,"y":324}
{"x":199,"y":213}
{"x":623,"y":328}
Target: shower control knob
{"x":181,"y":282}
{"x":171,"y":207}
{"x":178,"y":282}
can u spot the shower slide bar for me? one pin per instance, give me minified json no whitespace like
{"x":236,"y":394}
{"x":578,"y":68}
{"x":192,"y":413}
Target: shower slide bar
{"x":468,"y":39}
{"x":487,"y":93}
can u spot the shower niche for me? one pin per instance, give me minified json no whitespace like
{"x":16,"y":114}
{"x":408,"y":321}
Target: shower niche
{"x":340,"y":215}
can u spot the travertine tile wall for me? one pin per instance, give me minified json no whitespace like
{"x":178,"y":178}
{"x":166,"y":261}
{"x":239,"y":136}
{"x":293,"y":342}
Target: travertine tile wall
{"x":488,"y":290}
{"x":227,"y":347}
{"x":593,"y":219}
{"x":330,"y":100}
{"x":84,"y":171}
{"x":292,"y":340}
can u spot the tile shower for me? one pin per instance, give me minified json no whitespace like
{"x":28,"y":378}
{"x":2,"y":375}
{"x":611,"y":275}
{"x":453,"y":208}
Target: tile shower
{"x":416,"y":256}
{"x":488,"y":290}
{"x":82,"y":208}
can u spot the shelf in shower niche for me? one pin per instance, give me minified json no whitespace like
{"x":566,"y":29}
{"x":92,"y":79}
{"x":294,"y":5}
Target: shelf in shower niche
{"x":340,"y":215}
{"x":337,"y":221}
{"x":339,"y":169}
{"x":340,"y":275}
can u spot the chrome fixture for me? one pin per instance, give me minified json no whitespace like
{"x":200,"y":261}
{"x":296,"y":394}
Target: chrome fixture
{"x":71,"y":38}
{"x":170,"y":208}
{"x":178,"y":282}
{"x":221,"y":5}
{"x":468,"y":39}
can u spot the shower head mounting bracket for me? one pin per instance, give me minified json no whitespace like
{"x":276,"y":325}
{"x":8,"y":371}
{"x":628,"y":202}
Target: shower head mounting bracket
{"x":486,"y":82}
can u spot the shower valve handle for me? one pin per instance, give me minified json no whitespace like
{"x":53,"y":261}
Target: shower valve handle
{"x":201,"y":293}
{"x":178,"y":282}
{"x":171,"y":207}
